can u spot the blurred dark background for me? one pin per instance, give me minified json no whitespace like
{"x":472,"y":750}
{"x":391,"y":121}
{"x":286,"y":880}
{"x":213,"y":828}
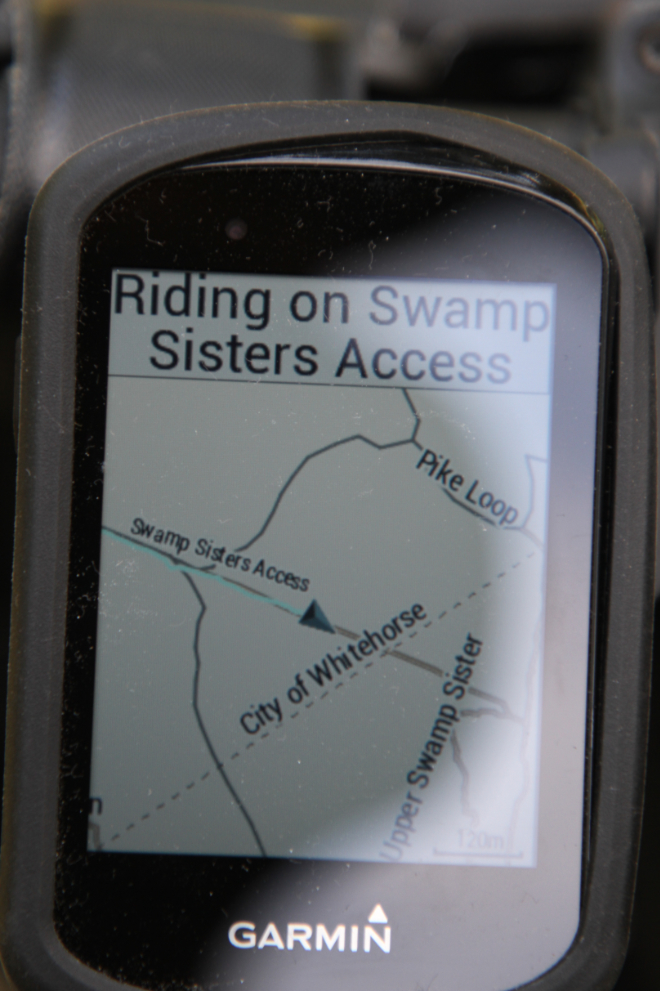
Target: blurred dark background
{"x":584,"y":72}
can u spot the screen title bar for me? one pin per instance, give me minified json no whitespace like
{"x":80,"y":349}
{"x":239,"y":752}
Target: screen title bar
{"x":434,"y":334}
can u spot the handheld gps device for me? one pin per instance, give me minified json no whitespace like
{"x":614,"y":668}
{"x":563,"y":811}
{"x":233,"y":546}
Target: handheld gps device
{"x":335,"y":560}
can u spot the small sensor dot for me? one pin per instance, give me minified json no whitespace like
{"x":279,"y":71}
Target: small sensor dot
{"x":236,"y":229}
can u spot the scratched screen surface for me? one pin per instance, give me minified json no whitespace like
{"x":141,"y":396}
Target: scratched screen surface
{"x":322,"y":573}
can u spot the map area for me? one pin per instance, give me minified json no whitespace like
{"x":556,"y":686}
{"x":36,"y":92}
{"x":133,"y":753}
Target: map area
{"x":321,"y":599}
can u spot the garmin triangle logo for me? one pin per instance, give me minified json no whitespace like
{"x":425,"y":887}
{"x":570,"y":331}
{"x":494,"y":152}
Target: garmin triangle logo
{"x":296,"y":935}
{"x":377,"y":914}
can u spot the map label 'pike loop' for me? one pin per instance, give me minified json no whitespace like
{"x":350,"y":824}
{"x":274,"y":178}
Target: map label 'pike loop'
{"x":440,"y":470}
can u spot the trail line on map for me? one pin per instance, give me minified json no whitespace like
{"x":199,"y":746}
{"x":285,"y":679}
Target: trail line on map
{"x":503,"y":710}
{"x":457,"y":757}
{"x":532,"y":502}
{"x":522,"y":527}
{"x":178,"y":564}
{"x":329,"y":447}
{"x":200,"y":722}
{"x":391,"y":652}
{"x":470,"y":510}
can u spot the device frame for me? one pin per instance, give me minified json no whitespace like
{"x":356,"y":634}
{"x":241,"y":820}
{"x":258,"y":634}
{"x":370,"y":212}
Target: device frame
{"x":32,"y":954}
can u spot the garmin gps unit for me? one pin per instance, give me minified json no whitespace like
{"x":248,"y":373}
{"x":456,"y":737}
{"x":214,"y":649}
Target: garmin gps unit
{"x":334,"y":565}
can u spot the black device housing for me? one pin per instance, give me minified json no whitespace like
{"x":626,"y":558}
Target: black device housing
{"x":32,"y":952}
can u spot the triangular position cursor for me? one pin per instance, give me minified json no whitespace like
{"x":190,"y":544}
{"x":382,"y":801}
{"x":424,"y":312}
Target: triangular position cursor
{"x":315,"y":617}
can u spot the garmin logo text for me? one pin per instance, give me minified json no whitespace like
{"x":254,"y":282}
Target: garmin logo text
{"x":244,"y":936}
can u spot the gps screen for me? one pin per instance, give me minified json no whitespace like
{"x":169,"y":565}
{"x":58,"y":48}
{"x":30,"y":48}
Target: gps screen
{"x":321,"y":609}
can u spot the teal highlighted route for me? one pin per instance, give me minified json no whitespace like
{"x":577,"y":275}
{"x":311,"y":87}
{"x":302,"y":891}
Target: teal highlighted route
{"x":178,"y":564}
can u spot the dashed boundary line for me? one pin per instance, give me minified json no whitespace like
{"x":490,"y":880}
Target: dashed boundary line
{"x":326,"y":694}
{"x":485,"y":586}
{"x":391,"y":652}
{"x":237,"y":753}
{"x":162,"y":805}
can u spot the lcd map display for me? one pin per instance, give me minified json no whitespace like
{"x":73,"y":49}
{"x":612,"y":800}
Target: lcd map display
{"x":322,"y":569}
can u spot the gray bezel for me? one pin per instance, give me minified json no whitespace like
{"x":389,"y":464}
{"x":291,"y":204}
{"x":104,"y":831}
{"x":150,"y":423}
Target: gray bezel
{"x":32,"y":953}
